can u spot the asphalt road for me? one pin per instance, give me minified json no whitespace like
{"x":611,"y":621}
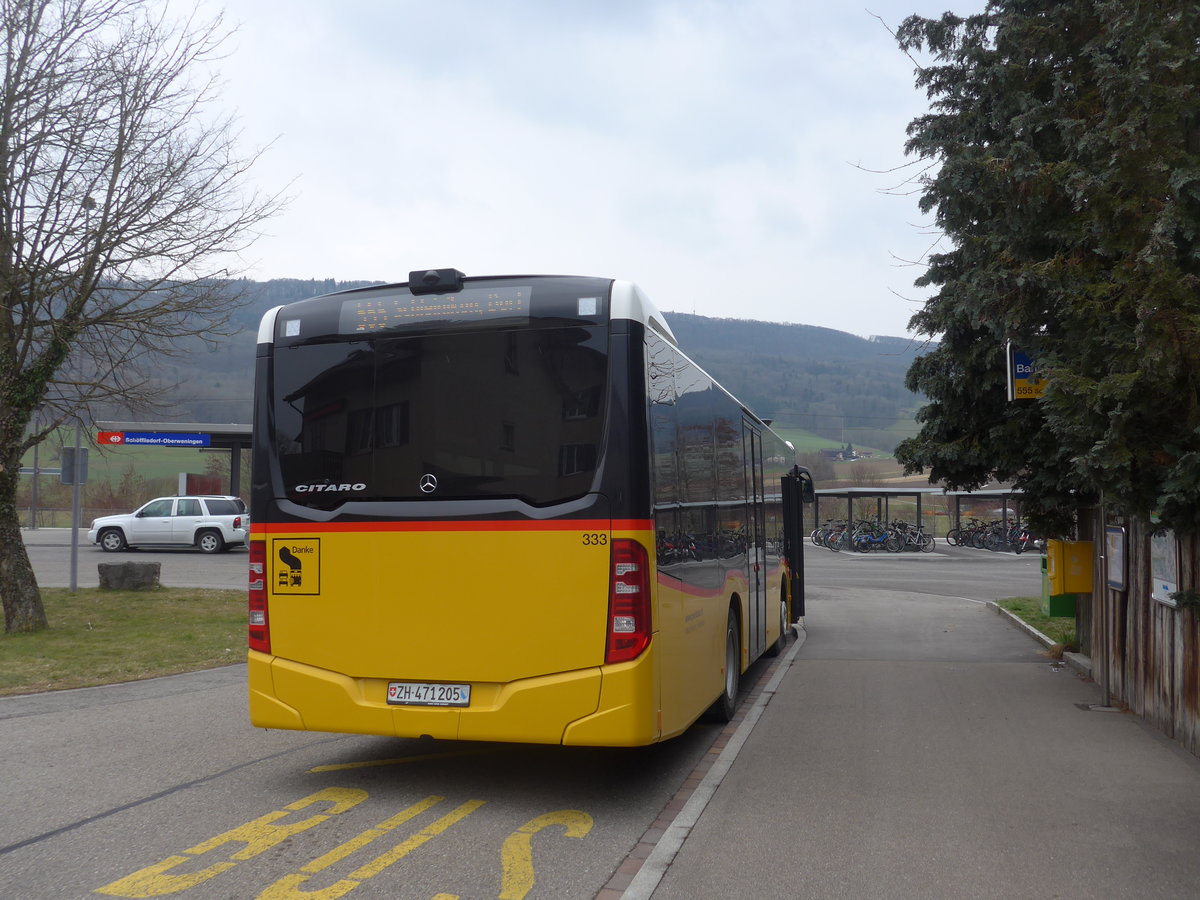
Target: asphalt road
{"x":946,"y":572}
{"x":50,"y":552}
{"x":162,"y":788}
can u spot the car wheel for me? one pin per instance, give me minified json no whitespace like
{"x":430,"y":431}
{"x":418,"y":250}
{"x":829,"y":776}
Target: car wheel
{"x":209,"y":542}
{"x":112,"y":540}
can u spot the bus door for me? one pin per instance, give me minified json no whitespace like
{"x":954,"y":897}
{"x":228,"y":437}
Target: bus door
{"x":756,"y":555}
{"x":797,"y":489}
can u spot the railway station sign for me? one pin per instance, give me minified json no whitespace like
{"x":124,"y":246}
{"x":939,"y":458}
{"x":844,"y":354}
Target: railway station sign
{"x":152,"y":439}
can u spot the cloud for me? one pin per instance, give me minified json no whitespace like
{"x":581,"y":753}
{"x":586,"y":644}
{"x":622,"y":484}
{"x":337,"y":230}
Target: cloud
{"x":706,"y":150}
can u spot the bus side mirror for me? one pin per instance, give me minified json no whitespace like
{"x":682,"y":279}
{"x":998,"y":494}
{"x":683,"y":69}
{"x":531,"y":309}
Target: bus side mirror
{"x":808,"y":493}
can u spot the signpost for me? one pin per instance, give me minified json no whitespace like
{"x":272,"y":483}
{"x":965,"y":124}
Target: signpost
{"x":1024,"y":380}
{"x":74,"y":472}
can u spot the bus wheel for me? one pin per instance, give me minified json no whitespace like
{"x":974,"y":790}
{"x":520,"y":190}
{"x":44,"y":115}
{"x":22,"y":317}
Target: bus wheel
{"x":726,"y":705}
{"x":780,"y":642}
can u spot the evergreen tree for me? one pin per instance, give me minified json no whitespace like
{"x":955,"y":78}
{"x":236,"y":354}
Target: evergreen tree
{"x":1064,"y":145}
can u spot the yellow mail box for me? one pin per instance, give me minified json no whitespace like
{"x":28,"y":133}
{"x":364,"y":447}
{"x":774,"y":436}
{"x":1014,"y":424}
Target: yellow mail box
{"x":1069,"y":567}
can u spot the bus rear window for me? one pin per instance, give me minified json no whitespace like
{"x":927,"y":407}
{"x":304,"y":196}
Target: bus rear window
{"x":464,"y":415}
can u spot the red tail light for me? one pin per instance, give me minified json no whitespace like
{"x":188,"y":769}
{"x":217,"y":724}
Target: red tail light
{"x":629,"y":626}
{"x":260,"y":630}
{"x":237,"y":521}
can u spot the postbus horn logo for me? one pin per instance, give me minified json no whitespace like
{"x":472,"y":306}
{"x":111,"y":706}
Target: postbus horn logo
{"x":428,"y":484}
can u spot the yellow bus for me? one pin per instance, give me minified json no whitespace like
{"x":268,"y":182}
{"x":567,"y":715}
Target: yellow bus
{"x":507,"y":509}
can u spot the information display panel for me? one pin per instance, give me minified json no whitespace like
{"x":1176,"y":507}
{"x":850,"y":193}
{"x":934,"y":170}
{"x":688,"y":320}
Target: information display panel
{"x":361,"y":315}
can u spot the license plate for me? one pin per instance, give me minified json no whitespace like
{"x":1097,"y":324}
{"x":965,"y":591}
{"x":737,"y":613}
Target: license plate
{"x":424,"y":693}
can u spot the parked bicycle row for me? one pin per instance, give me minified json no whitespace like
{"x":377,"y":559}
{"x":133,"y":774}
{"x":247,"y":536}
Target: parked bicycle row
{"x":867,"y":535}
{"x":995,"y":536}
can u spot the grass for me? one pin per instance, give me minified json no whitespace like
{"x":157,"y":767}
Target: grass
{"x":804,"y":441}
{"x":102,"y":637}
{"x":106,"y":464}
{"x":1029,"y":610}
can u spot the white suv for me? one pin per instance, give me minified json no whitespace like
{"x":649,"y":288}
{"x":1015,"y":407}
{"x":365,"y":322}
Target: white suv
{"x":211,"y":524}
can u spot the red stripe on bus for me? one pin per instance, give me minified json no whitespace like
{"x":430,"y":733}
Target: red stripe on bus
{"x":672,"y":583}
{"x":298,"y":528}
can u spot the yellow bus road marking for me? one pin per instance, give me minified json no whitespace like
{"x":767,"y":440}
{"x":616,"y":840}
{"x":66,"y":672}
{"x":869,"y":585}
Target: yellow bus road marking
{"x":288,"y":887}
{"x":258,"y":836}
{"x":516,"y":856}
{"x":265,"y":832}
{"x":361,"y":840}
{"x":398,"y":761}
{"x":405,"y":847}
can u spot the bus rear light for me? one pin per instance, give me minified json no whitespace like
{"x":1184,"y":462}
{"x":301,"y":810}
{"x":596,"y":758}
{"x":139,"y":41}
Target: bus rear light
{"x":629,"y":626}
{"x":259,"y":625}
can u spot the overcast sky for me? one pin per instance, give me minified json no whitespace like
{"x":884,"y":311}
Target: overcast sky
{"x":723,"y":155}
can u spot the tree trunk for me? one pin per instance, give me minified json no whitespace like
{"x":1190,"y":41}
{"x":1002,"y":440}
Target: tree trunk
{"x":22,"y":600}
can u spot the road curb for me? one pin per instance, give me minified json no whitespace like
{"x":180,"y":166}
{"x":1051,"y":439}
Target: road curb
{"x":1021,"y":624}
{"x":1077,"y":661}
{"x":645,"y":867}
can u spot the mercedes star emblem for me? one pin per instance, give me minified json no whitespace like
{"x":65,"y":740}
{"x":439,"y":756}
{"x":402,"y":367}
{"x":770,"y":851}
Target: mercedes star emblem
{"x":428,"y":484}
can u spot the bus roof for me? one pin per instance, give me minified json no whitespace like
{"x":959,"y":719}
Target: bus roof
{"x":628,"y":301}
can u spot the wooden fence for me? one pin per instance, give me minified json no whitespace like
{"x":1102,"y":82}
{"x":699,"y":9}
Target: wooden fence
{"x":1147,"y":648}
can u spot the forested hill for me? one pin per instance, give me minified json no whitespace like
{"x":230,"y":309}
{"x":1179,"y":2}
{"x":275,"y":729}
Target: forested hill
{"x":839,"y":385}
{"x":836,"y":384}
{"x":263,"y":295}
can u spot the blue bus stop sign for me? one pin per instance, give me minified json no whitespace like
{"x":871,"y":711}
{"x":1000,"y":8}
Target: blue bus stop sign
{"x":1024,"y":380}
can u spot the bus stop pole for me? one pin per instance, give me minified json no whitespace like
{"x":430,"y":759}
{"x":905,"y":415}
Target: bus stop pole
{"x":75,"y":479}
{"x":33,"y":489}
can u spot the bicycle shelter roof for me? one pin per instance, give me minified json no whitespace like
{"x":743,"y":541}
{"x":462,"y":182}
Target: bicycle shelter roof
{"x":883,"y":495}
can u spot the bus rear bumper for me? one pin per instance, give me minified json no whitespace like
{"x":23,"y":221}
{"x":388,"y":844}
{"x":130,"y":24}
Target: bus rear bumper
{"x":588,"y":706}
{"x":627,"y":715}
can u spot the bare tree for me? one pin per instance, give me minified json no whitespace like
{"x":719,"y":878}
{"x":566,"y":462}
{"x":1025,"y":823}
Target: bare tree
{"x":121,"y":191}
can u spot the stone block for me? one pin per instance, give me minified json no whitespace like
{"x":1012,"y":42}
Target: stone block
{"x":129,"y":576}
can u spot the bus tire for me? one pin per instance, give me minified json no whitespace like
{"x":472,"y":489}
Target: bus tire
{"x":726,"y":705}
{"x":776,"y":648}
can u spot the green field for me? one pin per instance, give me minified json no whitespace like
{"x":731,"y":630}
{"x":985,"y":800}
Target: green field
{"x":804,"y":441}
{"x":109,"y":463}
{"x":119,"y":478}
